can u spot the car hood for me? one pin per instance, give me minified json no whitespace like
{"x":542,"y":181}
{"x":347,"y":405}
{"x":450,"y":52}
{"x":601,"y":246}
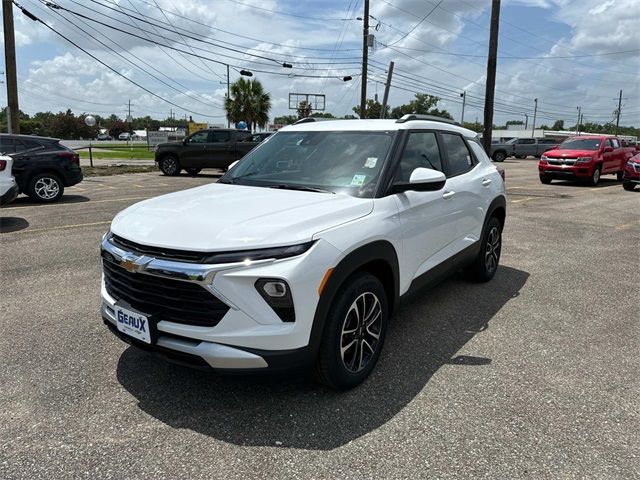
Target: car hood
{"x":555,"y":153}
{"x":220,"y":217}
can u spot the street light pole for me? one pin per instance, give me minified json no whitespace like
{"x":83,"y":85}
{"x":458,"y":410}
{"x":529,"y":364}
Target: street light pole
{"x":535,"y":112}
{"x":526,"y":121}
{"x":578,"y":122}
{"x":464,"y":100}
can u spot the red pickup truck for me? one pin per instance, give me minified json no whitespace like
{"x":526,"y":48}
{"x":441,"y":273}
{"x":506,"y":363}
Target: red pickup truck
{"x":584,"y":158}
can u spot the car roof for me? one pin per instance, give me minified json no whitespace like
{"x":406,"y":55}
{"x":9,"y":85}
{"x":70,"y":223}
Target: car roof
{"x":30,"y":137}
{"x":377,"y":125}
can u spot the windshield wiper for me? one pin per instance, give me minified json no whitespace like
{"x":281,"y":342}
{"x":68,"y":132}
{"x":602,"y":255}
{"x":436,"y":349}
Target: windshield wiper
{"x":301,"y":188}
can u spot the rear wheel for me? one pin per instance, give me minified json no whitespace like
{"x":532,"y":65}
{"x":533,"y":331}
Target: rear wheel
{"x":193,"y":171}
{"x":353,"y":334}
{"x":628,"y":186}
{"x":170,"y":165}
{"x":486,"y":263}
{"x":45,"y":188}
{"x":595,"y":177}
{"x":499,"y":156}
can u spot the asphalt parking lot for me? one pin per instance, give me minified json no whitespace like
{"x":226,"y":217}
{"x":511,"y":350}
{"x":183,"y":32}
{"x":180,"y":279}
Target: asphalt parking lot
{"x":533,"y":375}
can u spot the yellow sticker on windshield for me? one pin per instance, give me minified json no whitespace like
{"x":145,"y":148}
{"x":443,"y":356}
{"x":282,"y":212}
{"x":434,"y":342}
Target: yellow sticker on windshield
{"x":358,"y":180}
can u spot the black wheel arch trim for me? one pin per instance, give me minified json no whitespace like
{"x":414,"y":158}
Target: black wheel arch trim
{"x":366,"y":255}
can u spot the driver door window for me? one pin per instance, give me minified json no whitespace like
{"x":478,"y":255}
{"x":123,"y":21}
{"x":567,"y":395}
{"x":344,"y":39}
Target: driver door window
{"x":421,"y":150}
{"x":200,"y":137}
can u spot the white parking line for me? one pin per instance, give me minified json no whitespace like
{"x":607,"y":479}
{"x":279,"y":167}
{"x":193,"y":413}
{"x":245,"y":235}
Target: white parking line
{"x":604,"y":188}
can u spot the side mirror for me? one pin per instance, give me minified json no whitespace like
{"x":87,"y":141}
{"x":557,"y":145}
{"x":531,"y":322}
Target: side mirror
{"x":422,"y":180}
{"x":608,"y":149}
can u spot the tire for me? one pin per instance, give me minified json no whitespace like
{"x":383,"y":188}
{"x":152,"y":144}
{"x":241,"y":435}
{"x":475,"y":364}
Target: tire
{"x":45,"y":188}
{"x":499,"y":156}
{"x":595,"y":177}
{"x":361,"y":297}
{"x":193,"y":171}
{"x":545,"y":179}
{"x":629,"y":186}
{"x":170,"y":165}
{"x":486,"y":263}
{"x":619,"y":175}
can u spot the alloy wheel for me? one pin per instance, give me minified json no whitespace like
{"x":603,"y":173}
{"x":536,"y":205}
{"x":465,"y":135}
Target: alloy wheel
{"x":492,"y":252}
{"x":361,"y":331}
{"x":46,"y":188}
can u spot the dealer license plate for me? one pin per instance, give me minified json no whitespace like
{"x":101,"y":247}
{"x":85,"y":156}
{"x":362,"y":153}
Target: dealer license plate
{"x":132,"y":323}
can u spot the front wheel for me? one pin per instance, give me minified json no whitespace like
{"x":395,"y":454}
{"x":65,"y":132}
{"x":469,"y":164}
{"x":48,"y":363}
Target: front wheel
{"x":353,"y":334}
{"x":45,"y":188}
{"x":629,"y":186}
{"x":499,"y":156}
{"x":170,"y":165}
{"x":595,"y":177}
{"x":486,"y":263}
{"x":545,"y":179}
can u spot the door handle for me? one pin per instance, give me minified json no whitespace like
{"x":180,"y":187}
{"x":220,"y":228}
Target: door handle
{"x":448,"y":194}
{"x":486,"y":182}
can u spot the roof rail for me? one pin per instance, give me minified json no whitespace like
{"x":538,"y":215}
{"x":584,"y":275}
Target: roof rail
{"x":314,"y":119}
{"x":432,"y":118}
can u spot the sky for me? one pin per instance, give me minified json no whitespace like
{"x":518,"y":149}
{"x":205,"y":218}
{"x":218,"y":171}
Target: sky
{"x":564,"y":53}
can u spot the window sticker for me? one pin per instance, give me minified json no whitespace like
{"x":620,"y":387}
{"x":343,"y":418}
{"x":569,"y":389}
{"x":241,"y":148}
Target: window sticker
{"x":370,"y":162}
{"x":358,"y":180}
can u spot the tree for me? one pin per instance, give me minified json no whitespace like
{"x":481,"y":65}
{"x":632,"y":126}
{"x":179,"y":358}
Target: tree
{"x":514,"y":122}
{"x":559,"y":125}
{"x":285,"y":120}
{"x":422,"y":104}
{"x":248,"y":102}
{"x":372,"y":109}
{"x":304,"y":109}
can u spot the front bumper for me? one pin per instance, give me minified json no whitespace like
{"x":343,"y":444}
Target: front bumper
{"x":584,"y":170}
{"x":250,"y":336}
{"x":631,"y":175}
{"x":10,"y":195}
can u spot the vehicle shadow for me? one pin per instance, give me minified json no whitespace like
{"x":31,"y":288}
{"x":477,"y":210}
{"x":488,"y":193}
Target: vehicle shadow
{"x":24,"y":201}
{"x":12,"y":224}
{"x":604,"y":182}
{"x":292,"y":411}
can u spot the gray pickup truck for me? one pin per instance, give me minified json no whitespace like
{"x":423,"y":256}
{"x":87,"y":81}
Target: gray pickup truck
{"x":521,"y":148}
{"x":534,"y":147}
{"x":213,"y":148}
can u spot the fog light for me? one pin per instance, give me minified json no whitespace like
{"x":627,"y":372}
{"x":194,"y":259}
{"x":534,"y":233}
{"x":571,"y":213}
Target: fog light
{"x":275,"y":289}
{"x":277,"y":294}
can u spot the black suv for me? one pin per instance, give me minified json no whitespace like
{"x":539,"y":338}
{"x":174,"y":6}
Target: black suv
{"x":42,"y":166}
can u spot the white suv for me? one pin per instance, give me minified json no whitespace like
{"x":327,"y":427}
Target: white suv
{"x":299,"y":254}
{"x":8,"y":185}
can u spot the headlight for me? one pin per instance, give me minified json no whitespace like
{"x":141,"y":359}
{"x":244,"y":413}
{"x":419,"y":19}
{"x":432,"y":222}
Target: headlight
{"x":543,"y":158}
{"x":260,"y":254}
{"x":630,"y":163}
{"x":584,"y":159}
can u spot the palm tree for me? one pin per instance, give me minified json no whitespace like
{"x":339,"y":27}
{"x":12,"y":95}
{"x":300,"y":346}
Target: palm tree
{"x":248,"y":102}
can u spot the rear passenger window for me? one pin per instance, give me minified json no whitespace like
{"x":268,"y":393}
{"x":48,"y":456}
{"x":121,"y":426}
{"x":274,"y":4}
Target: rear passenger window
{"x":458,"y":155}
{"x":527,"y":141}
{"x":220,"y":137}
{"x":421,"y":150}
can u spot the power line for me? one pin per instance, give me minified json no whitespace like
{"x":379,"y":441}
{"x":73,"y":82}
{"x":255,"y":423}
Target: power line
{"x":417,"y":24}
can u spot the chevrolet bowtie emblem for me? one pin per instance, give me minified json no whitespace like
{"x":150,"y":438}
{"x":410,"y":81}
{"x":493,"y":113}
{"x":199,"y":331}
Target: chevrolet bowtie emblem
{"x":129,"y":265}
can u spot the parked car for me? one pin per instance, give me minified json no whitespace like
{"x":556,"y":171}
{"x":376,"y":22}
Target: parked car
{"x":124,"y":136}
{"x":300,"y":253}
{"x":631,"y":175}
{"x":585,"y":158}
{"x":534,"y":147}
{"x":214,"y":148}
{"x":260,"y":136}
{"x":42,"y":166}
{"x":104,"y":136}
{"x":8,"y":185}
{"x":501,"y":151}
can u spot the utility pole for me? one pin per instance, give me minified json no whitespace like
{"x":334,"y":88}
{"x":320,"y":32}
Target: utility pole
{"x":491,"y":75}
{"x":464,"y":100}
{"x":228,"y":122}
{"x":618,"y":113}
{"x":526,"y":121}
{"x":578,"y":121}
{"x":535,"y":112}
{"x":129,"y":114}
{"x":387,"y":86}
{"x":365,"y":59}
{"x":13,"y":111}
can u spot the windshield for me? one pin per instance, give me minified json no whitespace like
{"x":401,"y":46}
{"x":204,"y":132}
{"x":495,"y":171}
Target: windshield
{"x":339,"y":162}
{"x":580,"y":144}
